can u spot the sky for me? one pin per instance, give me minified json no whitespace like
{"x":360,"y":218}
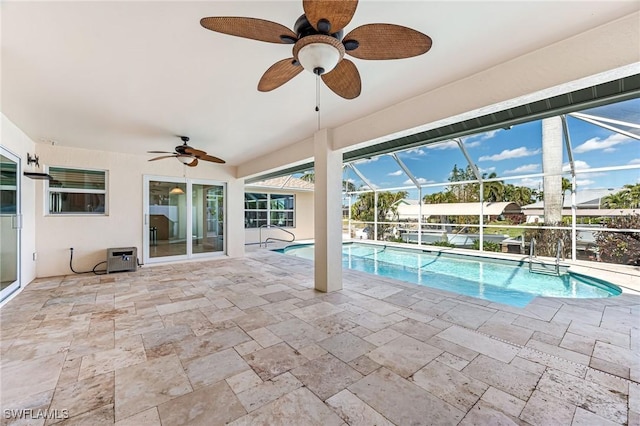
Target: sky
{"x":518,"y":151}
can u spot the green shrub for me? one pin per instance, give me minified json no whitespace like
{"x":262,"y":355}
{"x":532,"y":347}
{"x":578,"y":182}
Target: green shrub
{"x":442,"y":244}
{"x":620,"y":247}
{"x":487,"y":246}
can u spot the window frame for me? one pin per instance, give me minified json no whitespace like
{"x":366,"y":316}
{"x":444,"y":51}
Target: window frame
{"x":269,"y":210}
{"x":49,"y":190}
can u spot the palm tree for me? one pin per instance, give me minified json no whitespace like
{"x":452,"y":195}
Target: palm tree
{"x":521,"y":195}
{"x":566,"y":186}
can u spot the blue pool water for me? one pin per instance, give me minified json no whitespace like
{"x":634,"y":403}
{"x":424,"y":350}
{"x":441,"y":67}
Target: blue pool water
{"x":508,"y":282}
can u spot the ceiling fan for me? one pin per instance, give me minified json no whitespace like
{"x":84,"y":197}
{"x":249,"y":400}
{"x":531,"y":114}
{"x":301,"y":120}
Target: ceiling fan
{"x":319,"y":45}
{"x":186,"y":154}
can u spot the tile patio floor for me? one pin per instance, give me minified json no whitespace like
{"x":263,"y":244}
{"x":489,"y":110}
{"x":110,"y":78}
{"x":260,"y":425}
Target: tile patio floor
{"x":248,"y":341}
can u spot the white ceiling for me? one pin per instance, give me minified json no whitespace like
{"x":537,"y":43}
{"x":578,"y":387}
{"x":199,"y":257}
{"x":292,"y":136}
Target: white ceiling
{"x":129,"y":76}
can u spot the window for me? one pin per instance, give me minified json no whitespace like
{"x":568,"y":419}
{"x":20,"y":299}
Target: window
{"x":77,"y":191}
{"x":268,"y":209}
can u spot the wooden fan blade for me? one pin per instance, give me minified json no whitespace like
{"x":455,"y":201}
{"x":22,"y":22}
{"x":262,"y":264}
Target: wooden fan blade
{"x":344,"y":80}
{"x":164,"y":156}
{"x":193,"y":163}
{"x":253,"y":28}
{"x":337,"y":12}
{"x":387,"y":41}
{"x":159,"y":152}
{"x":278,"y":74}
{"x":194,"y":152}
{"x":212,"y":159}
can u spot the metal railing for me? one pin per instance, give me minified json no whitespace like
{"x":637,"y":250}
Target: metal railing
{"x":266,"y":241}
{"x":542,"y":269}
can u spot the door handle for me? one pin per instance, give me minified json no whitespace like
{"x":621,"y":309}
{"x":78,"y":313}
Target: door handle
{"x":16,"y":221}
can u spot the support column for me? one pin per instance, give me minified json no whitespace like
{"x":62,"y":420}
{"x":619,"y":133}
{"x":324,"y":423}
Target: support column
{"x":327,"y":213}
{"x":552,"y":163}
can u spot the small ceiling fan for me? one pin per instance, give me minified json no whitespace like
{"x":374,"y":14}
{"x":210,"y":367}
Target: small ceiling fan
{"x":318,"y":44}
{"x":186,"y":154}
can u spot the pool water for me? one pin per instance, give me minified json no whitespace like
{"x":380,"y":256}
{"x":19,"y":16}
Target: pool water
{"x":508,"y":282}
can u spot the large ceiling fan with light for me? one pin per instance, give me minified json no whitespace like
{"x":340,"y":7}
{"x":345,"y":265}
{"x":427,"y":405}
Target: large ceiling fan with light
{"x":319,"y":45}
{"x":186,"y":154}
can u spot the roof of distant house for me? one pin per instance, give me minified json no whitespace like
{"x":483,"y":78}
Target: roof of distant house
{"x":284,"y":182}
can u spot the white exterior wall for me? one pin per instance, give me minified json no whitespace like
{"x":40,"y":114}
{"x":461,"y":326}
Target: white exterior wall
{"x":14,"y":140}
{"x":303,"y":213}
{"x":90,"y":236}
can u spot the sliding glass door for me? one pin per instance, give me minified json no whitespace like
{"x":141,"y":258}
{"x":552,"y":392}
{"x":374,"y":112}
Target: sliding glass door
{"x":184,"y":218}
{"x":10,"y":219}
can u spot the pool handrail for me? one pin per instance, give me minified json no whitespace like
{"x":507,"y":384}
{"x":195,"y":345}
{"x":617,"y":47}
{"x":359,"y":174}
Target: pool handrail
{"x":293,"y":236}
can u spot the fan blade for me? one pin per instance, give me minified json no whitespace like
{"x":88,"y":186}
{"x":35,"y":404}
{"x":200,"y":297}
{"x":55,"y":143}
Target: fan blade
{"x":192,"y":152}
{"x":253,"y":28}
{"x":337,"y":12}
{"x":164,"y":156}
{"x":278,"y":74}
{"x":193,"y":163}
{"x":344,"y":80}
{"x":212,"y":159}
{"x":159,"y":152}
{"x":387,"y":41}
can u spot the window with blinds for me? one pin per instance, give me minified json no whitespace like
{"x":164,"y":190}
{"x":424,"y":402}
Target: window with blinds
{"x":77,"y":191}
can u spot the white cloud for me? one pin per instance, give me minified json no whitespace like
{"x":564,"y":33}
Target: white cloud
{"x":366,"y":160}
{"x":443,"y":145}
{"x":635,"y":161}
{"x":527,"y":168}
{"x":396,"y":173}
{"x":583,"y":183}
{"x":415,"y":152}
{"x":608,"y":144}
{"x":507,"y":154}
{"x":474,"y":140}
{"x":530,"y":183}
{"x":579,"y":165}
{"x":420,"y":181}
{"x":487,"y":170}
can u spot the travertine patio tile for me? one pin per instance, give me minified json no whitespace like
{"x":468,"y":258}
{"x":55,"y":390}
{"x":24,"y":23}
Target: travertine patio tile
{"x":100,"y":416}
{"x":457,"y":350}
{"x":35,"y":402}
{"x":552,"y":328}
{"x":148,"y":417}
{"x":543,"y":410}
{"x":184,"y":305}
{"x":196,"y":346}
{"x":85,"y":395}
{"x":326,"y":375}
{"x":619,"y":319}
{"x":335,"y":324}
{"x":503,"y":401}
{"x":610,"y":368}
{"x":346,"y":346}
{"x":554,"y":350}
{"x":274,"y":360}
{"x":509,"y":332}
{"x":297,"y":333}
{"x":254,"y":318}
{"x":542,"y":358}
{"x":591,"y":396}
{"x":312,"y":351}
{"x":468,"y":315}
{"x":577,"y":343}
{"x":450,"y":385}
{"x":148,"y":384}
{"x":23,"y":378}
{"x":383,"y":336}
{"x":404,"y":355}
{"x":247,"y":347}
{"x":452,"y":361}
{"x":616,"y":355}
{"x":243,"y":381}
{"x":602,"y":334}
{"x":212,"y":368}
{"x":485,"y":414}
{"x":529,"y":365}
{"x":214,"y":404}
{"x":517,"y":382}
{"x":354,"y":411}
{"x":264,"y":337}
{"x":485,"y":345}
{"x":300,"y":405}
{"x":401,"y":401}
{"x":587,"y":418}
{"x":364,"y":365}
{"x":246,"y":300}
{"x":317,"y":311}
{"x":416,"y":329}
{"x":382,"y":291}
{"x":567,"y":314}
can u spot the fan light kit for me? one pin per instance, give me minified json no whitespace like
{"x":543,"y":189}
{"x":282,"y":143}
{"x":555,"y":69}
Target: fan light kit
{"x":319,"y":47}
{"x":187,"y":155}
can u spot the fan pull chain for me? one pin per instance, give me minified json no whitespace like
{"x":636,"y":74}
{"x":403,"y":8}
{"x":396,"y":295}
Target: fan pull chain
{"x":318,"y":98}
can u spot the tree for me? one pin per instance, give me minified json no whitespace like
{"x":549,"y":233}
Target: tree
{"x":494,"y":191}
{"x":347,"y":186}
{"x":521,"y":195}
{"x":364,"y":209}
{"x":627,"y":198}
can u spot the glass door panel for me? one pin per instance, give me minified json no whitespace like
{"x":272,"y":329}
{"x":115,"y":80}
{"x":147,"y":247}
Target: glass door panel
{"x":167,"y":219}
{"x":207,"y":218}
{"x":9,"y":223}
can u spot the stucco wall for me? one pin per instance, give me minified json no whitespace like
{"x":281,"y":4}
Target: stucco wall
{"x":90,"y":236}
{"x":303,"y":217}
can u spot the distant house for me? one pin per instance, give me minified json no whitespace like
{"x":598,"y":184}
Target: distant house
{"x":410,"y":209}
{"x":588,"y":204}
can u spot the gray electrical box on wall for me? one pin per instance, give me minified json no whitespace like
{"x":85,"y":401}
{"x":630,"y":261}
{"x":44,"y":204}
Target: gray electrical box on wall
{"x":122,"y":259}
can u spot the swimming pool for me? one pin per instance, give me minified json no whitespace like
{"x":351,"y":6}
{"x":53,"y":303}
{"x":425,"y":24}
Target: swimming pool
{"x":502,"y":281}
